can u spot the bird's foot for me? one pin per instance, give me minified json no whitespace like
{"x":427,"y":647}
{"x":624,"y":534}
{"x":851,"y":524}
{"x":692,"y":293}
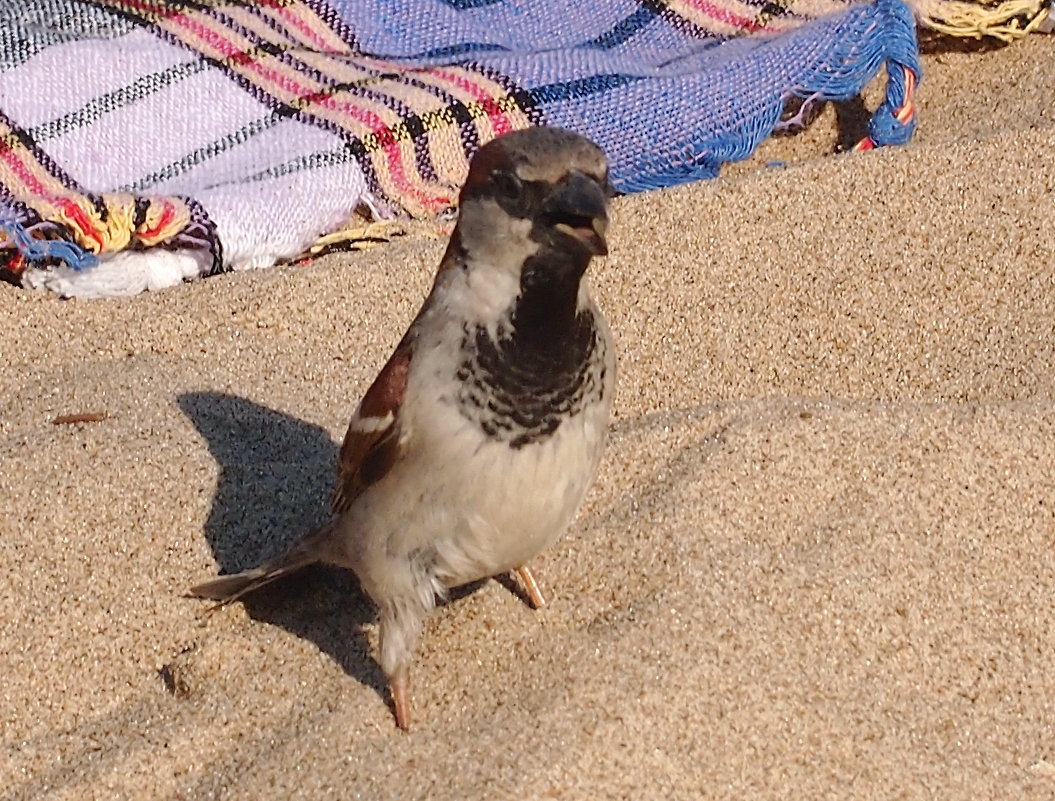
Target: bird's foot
{"x":534,"y":591}
{"x":397,"y":685}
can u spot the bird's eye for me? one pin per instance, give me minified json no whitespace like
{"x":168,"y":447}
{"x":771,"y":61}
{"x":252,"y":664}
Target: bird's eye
{"x":508,"y":183}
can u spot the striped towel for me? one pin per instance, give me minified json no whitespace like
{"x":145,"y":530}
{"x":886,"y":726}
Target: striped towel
{"x":145,"y":142}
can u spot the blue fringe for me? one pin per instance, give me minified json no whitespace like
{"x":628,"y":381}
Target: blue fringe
{"x":38,"y":250}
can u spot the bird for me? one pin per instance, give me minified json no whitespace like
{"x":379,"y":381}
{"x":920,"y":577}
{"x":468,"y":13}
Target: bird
{"x":472,"y":450}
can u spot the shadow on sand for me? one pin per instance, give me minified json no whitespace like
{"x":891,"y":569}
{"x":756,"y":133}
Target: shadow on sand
{"x":276,"y":479}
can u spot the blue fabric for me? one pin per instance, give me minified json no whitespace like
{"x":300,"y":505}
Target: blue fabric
{"x":668,"y":101}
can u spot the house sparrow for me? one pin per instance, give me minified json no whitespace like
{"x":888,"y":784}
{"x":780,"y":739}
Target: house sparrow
{"x":474,"y":447}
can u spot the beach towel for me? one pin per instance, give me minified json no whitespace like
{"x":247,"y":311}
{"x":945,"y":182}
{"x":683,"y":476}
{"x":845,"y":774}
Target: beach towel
{"x":146,"y":142}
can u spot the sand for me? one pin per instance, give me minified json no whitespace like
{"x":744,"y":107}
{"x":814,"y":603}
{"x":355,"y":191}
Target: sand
{"x":818,"y":562}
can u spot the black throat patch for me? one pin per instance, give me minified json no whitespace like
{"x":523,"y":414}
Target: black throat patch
{"x":520,"y":393}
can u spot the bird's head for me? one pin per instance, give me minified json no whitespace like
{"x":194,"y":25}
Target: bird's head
{"x":533,"y":212}
{"x":533,"y":192}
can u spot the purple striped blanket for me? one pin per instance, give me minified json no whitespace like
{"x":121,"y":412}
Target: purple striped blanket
{"x":143,"y":143}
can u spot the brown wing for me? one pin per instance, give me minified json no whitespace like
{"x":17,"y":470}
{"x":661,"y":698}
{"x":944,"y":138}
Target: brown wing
{"x":371,"y":445}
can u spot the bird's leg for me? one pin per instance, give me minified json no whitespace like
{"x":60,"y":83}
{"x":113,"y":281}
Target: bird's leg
{"x":534,"y":591}
{"x":397,"y":686}
{"x":400,"y":628}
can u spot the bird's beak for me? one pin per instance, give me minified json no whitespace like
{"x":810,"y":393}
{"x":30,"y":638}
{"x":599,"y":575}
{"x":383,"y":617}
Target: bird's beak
{"x":577,"y":207}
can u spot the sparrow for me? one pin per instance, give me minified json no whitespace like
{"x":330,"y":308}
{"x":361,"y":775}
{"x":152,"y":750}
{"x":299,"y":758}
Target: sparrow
{"x":473,"y":448}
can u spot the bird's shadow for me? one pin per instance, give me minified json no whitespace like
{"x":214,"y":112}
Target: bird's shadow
{"x":275,"y":482}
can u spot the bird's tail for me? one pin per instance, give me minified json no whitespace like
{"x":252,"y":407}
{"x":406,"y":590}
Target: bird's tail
{"x":227,"y":589}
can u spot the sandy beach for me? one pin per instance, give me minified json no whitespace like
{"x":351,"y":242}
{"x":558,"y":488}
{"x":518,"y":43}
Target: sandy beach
{"x":819,"y":561}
